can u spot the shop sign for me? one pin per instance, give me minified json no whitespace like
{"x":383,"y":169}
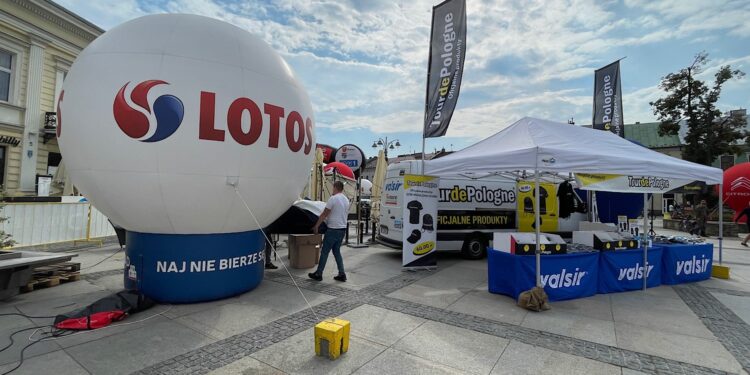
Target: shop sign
{"x":352,"y":156}
{"x":8,"y":140}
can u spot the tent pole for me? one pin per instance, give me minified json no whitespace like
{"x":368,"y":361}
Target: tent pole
{"x":644,"y":235}
{"x":536,"y":218}
{"x":423,"y":139}
{"x":721,"y":218}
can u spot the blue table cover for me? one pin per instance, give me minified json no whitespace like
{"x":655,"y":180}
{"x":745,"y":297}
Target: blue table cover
{"x":686,"y":263}
{"x":622,"y":270}
{"x":565,"y":276}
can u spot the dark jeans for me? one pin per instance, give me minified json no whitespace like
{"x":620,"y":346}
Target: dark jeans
{"x":701,"y":227}
{"x":331,"y":241}
{"x":269,"y":250}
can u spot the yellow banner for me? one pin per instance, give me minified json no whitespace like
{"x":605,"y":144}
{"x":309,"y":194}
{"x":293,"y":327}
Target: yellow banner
{"x":586,"y":179}
{"x":413,"y":180}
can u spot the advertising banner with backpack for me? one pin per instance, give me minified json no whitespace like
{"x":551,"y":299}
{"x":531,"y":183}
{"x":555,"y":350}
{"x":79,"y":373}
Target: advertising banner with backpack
{"x":420,"y":213}
{"x":547,"y":203}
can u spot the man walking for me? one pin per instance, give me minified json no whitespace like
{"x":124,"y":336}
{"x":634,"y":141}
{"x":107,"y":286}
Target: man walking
{"x":334,"y":215}
{"x":701,"y":216}
{"x":745,"y":212}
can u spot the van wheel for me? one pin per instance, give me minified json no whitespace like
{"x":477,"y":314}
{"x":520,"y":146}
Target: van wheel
{"x":475,"y":247}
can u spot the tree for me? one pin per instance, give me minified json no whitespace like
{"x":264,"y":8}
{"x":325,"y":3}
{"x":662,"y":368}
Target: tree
{"x":5,"y":240}
{"x":709,"y":134}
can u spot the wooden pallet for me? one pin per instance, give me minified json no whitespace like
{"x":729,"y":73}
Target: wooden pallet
{"x":53,"y":275}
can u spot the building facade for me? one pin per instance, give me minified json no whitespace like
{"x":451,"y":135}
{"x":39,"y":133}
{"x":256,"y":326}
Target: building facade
{"x":39,"y":40}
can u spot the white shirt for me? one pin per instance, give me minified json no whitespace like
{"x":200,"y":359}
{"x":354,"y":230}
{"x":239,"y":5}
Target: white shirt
{"x":339,"y":206}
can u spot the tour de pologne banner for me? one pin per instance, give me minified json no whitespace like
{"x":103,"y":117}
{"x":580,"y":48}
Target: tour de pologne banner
{"x":447,"y":52}
{"x":628,"y":184}
{"x":420,"y":220}
{"x":608,"y":100}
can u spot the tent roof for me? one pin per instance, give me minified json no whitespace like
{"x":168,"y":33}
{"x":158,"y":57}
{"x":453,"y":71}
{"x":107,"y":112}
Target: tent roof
{"x":534,"y":144}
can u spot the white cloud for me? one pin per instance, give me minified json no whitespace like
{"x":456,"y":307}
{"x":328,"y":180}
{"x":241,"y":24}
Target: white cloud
{"x":364,"y":62}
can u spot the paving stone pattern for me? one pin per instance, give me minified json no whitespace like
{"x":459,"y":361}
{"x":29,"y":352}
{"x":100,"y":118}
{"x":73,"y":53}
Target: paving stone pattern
{"x":731,"y":330}
{"x":224,"y":352}
{"x":738,"y":293}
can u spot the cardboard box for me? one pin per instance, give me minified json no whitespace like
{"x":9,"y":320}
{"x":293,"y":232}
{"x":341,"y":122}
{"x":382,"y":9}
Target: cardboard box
{"x":304,"y":250}
{"x":304,"y":239}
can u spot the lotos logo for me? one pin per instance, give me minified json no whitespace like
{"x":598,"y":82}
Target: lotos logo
{"x":168,"y":110}
{"x":59,"y":113}
{"x":563,"y":279}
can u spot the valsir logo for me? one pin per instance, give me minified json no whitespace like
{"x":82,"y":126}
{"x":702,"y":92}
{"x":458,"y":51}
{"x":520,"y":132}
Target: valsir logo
{"x":168,"y":110}
{"x":563,"y":279}
{"x":693,"y":266}
{"x":634,"y":273}
{"x":392,"y":186}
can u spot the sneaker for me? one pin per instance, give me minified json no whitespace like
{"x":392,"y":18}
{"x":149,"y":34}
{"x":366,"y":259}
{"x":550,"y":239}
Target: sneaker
{"x":341,"y":278}
{"x":315,"y":276}
{"x":743,"y":244}
{"x":271,"y":266}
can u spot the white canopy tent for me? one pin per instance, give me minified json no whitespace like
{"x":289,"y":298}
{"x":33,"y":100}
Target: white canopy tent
{"x":544,"y":146}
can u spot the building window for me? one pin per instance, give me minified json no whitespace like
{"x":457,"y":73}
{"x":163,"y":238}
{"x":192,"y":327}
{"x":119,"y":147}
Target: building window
{"x":53,"y":162}
{"x":727,"y":161}
{"x":6,"y":75}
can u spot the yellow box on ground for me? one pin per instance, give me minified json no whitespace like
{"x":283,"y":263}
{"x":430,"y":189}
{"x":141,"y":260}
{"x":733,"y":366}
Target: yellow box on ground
{"x":332,"y":338}
{"x":721,"y":272}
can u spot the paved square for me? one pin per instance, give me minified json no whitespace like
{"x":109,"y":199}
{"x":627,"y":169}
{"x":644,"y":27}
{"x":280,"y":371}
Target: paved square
{"x":442,"y":321}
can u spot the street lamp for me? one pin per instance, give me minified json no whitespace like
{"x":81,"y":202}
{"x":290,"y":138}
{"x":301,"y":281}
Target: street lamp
{"x":393,"y":144}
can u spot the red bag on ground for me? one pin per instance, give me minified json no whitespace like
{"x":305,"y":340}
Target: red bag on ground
{"x":104,"y":311}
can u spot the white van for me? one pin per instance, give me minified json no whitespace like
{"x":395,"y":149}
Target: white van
{"x":470,"y":210}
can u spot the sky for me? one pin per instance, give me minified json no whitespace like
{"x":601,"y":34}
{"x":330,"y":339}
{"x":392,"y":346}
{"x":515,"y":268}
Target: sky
{"x":364,"y":62}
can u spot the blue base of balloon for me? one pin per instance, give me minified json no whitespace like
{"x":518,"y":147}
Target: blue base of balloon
{"x":183,"y":268}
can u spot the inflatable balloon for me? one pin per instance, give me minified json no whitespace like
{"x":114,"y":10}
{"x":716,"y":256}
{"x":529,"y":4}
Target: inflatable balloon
{"x":365,"y":187}
{"x":737,"y":187}
{"x":162,"y":121}
{"x":341,"y":169}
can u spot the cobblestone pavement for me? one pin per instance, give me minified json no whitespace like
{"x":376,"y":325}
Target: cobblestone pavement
{"x":732,"y":331}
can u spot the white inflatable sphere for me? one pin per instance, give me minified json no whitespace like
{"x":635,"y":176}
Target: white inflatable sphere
{"x":161,"y":114}
{"x":365,"y":186}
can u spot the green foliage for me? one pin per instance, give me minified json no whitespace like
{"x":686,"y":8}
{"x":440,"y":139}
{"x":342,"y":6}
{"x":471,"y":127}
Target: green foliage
{"x":709,"y":134}
{"x":5,"y":238}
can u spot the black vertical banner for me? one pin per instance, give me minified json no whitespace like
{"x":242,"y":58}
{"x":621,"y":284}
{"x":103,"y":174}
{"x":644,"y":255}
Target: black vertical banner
{"x":608,"y":99}
{"x":447,"y":52}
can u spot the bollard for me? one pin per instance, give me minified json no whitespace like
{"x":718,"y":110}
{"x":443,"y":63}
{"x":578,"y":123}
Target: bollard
{"x":346,"y":239}
{"x":361,"y":233}
{"x":332,"y":338}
